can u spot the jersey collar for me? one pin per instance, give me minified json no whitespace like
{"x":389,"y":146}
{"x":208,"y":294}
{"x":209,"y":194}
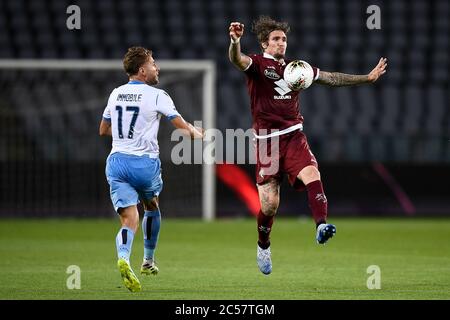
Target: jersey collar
{"x":135,"y":82}
{"x":269,"y":56}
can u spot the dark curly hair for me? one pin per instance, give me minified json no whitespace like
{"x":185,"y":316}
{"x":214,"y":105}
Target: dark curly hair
{"x":265,"y":25}
{"x":135,"y":58}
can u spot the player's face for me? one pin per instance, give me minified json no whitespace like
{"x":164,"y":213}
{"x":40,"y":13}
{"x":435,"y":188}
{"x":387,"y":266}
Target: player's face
{"x":150,"y":72}
{"x":277,"y":44}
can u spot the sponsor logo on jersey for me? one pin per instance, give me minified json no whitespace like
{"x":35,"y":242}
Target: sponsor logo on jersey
{"x":282,"y":88}
{"x":288,"y":97}
{"x":271,"y":74}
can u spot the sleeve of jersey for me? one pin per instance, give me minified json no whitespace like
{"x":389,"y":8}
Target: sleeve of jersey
{"x":165,"y":106}
{"x":107,"y":112}
{"x":316,"y":72}
{"x":252,"y":67}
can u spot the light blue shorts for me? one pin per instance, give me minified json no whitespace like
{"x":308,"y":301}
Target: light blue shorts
{"x":132,"y":177}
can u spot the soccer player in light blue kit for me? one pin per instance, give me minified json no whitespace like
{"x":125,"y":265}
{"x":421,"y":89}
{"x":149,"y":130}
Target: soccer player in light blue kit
{"x":133,"y":168}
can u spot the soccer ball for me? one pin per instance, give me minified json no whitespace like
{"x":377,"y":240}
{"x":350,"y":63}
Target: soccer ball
{"x":298,"y":74}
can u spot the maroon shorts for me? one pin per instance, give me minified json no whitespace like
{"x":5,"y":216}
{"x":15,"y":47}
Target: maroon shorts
{"x":286,"y":154}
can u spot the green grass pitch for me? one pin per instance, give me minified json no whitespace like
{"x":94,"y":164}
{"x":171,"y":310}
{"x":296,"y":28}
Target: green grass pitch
{"x":199,"y":260}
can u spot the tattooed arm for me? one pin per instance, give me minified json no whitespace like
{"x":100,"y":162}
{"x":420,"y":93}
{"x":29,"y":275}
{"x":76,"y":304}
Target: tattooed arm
{"x":337,"y":79}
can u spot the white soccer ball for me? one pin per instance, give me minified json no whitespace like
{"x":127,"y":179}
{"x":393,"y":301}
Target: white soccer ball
{"x":298,"y":74}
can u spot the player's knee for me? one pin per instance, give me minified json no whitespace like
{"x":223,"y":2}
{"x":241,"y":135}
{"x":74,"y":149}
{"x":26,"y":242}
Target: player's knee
{"x":129,"y":217}
{"x":131,"y":223}
{"x":269,"y":208}
{"x":309,"y":174}
{"x":151,"y":205}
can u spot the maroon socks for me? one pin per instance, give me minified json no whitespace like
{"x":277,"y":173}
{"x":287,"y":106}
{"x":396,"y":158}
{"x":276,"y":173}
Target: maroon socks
{"x":317,"y":201}
{"x":264,"y":228}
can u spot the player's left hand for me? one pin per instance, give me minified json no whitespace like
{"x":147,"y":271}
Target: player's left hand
{"x":379,"y":70}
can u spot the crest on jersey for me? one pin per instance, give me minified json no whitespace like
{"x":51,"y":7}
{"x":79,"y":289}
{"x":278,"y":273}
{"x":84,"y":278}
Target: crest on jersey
{"x":271,"y":74}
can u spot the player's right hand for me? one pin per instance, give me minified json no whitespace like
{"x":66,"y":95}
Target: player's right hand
{"x":199,"y":133}
{"x":236,"y":30}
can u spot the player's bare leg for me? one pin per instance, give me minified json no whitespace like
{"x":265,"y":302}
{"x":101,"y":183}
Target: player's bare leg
{"x":317,"y":200}
{"x":150,"y":227}
{"x":269,"y":197}
{"x":129,"y":219}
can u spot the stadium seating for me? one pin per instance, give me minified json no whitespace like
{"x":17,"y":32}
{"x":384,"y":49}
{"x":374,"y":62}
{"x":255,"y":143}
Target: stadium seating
{"x":411,"y":100}
{"x":404,"y":118}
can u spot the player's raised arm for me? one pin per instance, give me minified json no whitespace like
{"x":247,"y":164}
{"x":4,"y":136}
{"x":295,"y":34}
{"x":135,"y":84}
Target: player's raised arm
{"x":337,"y":79}
{"x":188,"y":129}
{"x":240,"y":60}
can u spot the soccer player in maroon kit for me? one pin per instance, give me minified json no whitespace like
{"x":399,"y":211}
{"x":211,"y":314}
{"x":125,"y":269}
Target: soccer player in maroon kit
{"x":277,"y":120}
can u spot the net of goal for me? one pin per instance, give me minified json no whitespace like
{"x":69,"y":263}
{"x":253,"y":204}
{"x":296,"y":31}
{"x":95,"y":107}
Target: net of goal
{"x":51,"y":157}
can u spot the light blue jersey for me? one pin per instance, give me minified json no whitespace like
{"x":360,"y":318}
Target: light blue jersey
{"x":133,"y":168}
{"x":134,"y":110}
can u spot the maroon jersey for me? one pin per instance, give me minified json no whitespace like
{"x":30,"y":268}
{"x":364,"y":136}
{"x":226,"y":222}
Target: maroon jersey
{"x":273,"y":104}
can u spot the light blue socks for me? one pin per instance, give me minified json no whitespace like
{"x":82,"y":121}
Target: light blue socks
{"x":124,"y":241}
{"x":150,"y":227}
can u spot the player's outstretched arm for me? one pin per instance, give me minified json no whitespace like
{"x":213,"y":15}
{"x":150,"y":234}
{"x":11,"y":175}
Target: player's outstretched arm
{"x":240,"y":60}
{"x":337,"y":79}
{"x":187,"y":128}
{"x":105,"y":128}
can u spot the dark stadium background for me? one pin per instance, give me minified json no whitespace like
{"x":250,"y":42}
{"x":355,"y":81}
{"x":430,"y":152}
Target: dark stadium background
{"x":374,"y":143}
